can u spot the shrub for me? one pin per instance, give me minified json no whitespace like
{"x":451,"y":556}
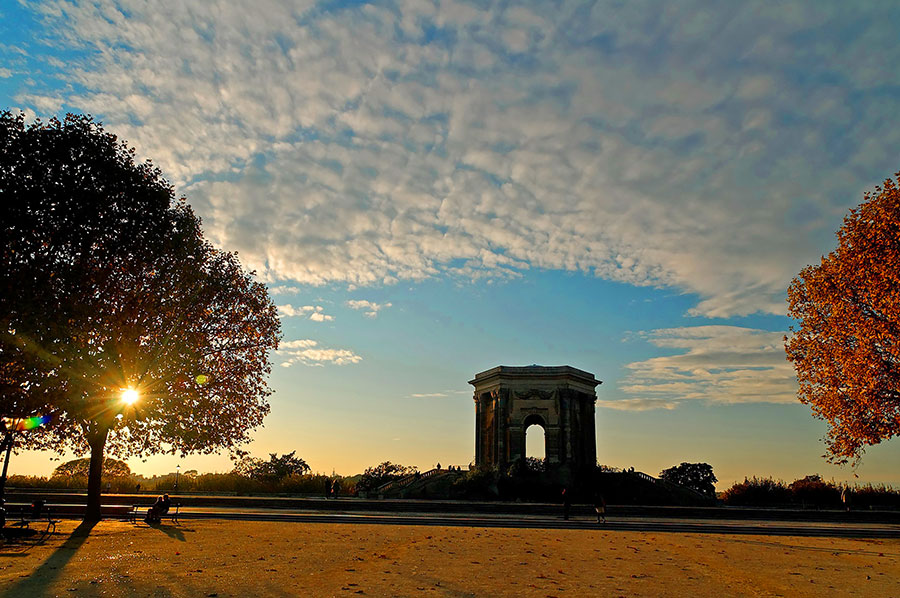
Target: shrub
{"x":875,"y":497}
{"x":812,"y":490}
{"x":477,"y":484}
{"x":757,"y":492}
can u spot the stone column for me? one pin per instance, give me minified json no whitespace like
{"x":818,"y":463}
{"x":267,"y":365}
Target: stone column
{"x":516,"y":443}
{"x":502,"y":429}
{"x":551,"y":442}
{"x":495,"y":430}
{"x":478,"y":425}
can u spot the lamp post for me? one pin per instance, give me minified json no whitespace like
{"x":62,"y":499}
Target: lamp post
{"x":177,"y":469}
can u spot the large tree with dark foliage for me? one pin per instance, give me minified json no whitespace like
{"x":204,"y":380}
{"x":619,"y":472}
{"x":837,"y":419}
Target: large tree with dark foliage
{"x":696,"y":476}
{"x":275,"y":469}
{"x":80,"y":468}
{"x":107,"y":283}
{"x":846,"y":349}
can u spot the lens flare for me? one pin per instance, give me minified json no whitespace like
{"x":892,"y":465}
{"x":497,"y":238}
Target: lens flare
{"x":130,"y":396}
{"x":28,"y":423}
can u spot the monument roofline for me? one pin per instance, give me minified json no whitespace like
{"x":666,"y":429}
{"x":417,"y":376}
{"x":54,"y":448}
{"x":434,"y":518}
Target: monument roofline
{"x":532,"y":372}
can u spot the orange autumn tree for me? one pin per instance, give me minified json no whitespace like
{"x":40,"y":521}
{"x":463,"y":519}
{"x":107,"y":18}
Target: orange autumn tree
{"x":846,"y":349}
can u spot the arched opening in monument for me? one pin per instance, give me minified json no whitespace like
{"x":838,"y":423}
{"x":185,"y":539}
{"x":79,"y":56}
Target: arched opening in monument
{"x":535,"y":438}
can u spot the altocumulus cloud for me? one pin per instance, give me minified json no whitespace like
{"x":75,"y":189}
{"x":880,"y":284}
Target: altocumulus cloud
{"x":714,"y":364}
{"x":371,"y":308}
{"x":316,"y":313}
{"x":307,"y":352}
{"x":710,"y":148}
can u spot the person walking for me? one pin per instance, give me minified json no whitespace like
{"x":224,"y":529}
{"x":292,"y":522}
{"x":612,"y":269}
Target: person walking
{"x":567,"y":503}
{"x":600,"y":507}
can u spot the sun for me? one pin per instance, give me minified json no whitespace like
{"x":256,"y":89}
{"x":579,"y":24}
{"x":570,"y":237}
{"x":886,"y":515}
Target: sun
{"x":130,"y":396}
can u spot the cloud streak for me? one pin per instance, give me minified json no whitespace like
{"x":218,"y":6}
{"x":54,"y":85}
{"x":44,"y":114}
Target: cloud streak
{"x":711,"y":151}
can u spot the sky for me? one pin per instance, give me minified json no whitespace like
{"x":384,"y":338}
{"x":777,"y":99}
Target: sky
{"x":431,"y":189}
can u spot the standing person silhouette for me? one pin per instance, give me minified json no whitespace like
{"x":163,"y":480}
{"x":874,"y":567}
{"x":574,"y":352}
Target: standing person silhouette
{"x":600,"y":507}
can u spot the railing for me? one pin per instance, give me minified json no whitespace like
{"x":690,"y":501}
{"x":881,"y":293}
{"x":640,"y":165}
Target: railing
{"x":646,"y":476}
{"x":661,"y":482}
{"x":406,"y":481}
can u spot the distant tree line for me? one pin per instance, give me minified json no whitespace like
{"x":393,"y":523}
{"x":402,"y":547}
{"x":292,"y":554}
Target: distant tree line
{"x":290,"y":475}
{"x":809,"y":492}
{"x":279,"y":474}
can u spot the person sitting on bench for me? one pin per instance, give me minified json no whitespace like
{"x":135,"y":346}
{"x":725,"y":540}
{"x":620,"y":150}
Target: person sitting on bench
{"x":37,"y":508}
{"x":159,"y":508}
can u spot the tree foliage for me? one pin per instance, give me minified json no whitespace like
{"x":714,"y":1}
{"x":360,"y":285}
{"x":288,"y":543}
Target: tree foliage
{"x":846,"y":349}
{"x":275,"y":469}
{"x":107,"y":283}
{"x":80,"y":468}
{"x":696,"y":476}
{"x":381,"y":474}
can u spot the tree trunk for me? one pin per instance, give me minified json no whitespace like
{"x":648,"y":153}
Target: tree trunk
{"x":6,"y":450}
{"x":97,"y":441}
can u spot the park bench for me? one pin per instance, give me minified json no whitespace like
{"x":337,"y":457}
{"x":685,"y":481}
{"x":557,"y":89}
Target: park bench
{"x":24,"y":515}
{"x":140,"y":511}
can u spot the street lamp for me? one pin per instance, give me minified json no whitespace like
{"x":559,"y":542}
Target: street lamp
{"x":177,"y":469}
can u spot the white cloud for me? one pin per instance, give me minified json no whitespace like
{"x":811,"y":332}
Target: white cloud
{"x":371,"y":308}
{"x":288,"y":310}
{"x":669,"y":147}
{"x":297,"y":344}
{"x":283,"y":290}
{"x":715,"y":365}
{"x":315,"y":312}
{"x":307,"y":352}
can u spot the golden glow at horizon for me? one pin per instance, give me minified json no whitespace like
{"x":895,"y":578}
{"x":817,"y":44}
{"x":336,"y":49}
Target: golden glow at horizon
{"x":130,"y":396}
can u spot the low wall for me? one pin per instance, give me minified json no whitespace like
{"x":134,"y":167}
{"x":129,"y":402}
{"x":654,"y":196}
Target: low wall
{"x":113,"y":503}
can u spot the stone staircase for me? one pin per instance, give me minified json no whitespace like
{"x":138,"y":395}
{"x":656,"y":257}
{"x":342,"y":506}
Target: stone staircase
{"x":416,"y":483}
{"x":666,"y":484}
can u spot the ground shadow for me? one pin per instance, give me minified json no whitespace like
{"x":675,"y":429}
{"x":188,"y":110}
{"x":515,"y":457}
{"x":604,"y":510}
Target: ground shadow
{"x":15,"y":541}
{"x":41,"y":578}
{"x":172,"y":531}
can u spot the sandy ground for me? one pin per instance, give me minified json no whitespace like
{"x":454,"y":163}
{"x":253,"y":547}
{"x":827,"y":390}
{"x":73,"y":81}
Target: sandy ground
{"x":242,"y":558}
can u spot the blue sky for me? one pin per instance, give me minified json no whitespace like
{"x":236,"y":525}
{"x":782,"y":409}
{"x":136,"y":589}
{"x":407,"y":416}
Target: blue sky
{"x":431,"y":189}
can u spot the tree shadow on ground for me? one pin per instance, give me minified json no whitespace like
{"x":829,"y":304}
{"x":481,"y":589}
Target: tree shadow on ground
{"x":41,"y":578}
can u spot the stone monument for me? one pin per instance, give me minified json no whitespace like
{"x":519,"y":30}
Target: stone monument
{"x":560,"y":399}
